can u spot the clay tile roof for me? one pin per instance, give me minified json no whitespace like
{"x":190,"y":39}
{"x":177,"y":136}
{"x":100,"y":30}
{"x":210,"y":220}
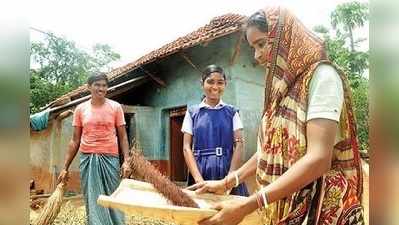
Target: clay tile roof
{"x":217,"y":27}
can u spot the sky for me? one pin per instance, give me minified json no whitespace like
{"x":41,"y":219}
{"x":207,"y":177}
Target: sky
{"x":134,"y":28}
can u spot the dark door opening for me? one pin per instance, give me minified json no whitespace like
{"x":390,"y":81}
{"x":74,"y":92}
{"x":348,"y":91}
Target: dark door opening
{"x":130,"y":128}
{"x":178,"y":168}
{"x":130,"y":132}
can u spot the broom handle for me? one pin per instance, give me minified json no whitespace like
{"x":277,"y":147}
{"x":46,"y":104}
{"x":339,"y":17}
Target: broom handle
{"x":54,"y":179}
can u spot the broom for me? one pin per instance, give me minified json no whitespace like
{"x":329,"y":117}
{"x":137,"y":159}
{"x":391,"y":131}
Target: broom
{"x":52,"y":207}
{"x":142,"y":169}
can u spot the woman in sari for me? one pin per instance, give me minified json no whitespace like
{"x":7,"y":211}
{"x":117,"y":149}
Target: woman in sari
{"x":307,"y":162}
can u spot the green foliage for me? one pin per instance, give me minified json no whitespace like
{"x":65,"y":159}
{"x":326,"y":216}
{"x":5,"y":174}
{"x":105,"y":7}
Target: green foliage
{"x":350,"y":15}
{"x":354,"y":63}
{"x":361,"y":110}
{"x":347,"y":17}
{"x":62,"y":67}
{"x":43,"y":91}
{"x":320,"y":29}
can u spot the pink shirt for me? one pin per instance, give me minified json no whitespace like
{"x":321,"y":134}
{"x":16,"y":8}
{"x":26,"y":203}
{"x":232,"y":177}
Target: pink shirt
{"x":99,"y":126}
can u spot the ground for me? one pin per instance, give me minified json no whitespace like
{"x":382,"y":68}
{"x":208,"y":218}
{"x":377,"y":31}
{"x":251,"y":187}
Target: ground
{"x":72,"y":214}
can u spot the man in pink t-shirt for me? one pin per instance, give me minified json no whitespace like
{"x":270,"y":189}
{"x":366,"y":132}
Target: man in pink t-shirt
{"x":99,"y":126}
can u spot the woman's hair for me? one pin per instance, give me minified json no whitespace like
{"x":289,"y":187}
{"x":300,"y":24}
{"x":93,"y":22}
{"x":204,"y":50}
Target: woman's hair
{"x":258,"y":20}
{"x":96,"y":77}
{"x":212,"y":69}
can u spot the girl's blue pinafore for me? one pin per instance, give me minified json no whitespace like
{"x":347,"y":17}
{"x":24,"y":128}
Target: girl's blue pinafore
{"x":213,"y":138}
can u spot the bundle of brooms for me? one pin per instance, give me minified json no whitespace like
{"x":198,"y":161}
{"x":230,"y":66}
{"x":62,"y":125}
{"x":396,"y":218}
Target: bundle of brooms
{"x":142,"y":169}
{"x":52,"y":206}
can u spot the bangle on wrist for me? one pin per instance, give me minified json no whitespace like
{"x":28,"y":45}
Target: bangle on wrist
{"x":265,"y":201}
{"x":261,"y":199}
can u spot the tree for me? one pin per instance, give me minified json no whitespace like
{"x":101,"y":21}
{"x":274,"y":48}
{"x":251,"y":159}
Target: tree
{"x":354,"y":63}
{"x":62,"y":67}
{"x":321,"y":29}
{"x":344,"y":19}
{"x":349,"y":16}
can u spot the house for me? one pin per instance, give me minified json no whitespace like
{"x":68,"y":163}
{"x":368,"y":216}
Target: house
{"x":155,"y":91}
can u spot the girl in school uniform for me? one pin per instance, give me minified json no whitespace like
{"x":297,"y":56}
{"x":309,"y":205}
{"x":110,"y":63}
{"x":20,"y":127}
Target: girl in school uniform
{"x":213,"y":140}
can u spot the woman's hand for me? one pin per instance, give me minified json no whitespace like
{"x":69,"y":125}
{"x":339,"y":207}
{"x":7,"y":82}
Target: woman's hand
{"x":230,"y":213}
{"x":209,"y":186}
{"x":126,"y":171}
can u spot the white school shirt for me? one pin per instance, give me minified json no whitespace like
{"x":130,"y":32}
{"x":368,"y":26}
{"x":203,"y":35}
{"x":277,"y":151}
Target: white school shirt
{"x":187,"y":126}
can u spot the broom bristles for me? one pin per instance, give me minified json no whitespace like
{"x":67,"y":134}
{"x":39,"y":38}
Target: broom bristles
{"x":143,"y":169}
{"x":52,"y":207}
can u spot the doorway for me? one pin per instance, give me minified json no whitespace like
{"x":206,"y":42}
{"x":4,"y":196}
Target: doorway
{"x":178,"y":167}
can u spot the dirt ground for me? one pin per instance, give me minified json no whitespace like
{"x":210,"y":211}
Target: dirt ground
{"x":71,"y":214}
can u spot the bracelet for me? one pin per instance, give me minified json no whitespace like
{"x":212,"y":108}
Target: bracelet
{"x":237,"y":180}
{"x":259,"y":200}
{"x":265,"y":202}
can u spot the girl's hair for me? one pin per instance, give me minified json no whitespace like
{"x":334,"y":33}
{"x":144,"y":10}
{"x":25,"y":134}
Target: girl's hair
{"x":212,"y":69}
{"x":258,"y":20}
{"x":96,"y":77}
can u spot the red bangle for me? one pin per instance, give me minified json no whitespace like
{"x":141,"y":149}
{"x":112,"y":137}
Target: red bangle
{"x":259,"y":200}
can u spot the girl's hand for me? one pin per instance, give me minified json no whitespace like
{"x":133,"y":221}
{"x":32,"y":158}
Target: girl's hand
{"x":210,"y":186}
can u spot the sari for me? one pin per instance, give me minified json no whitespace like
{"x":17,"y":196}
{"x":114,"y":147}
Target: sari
{"x":335,"y":197}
